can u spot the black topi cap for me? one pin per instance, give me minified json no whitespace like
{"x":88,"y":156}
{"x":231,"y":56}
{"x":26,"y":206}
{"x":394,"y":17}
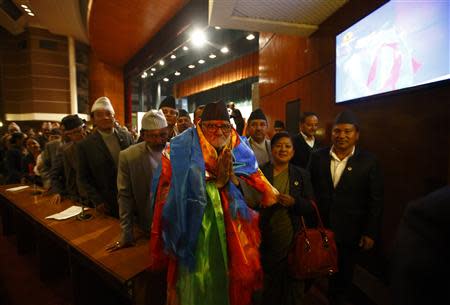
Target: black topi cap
{"x":182,"y":112}
{"x":278,"y":124}
{"x":347,"y":117}
{"x":215,"y":111}
{"x":258,"y":114}
{"x":168,"y":102}
{"x":71,"y":121}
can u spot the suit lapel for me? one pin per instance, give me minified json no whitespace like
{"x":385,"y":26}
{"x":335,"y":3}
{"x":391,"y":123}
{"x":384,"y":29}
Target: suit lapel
{"x":102,"y":146}
{"x":122,"y":139}
{"x":348,"y":170}
{"x":326,"y":169}
{"x":145,"y":161}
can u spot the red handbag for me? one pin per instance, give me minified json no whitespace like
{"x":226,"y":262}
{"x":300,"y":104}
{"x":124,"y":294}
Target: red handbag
{"x":314,"y":252}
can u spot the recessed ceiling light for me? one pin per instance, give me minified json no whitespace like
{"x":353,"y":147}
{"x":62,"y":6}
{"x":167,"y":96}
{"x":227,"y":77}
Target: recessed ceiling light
{"x":151,"y":74}
{"x":198,"y":38}
{"x":185,"y":48}
{"x":161,"y":62}
{"x":153,"y":69}
{"x":250,"y":37}
{"x":201,"y":61}
{"x":173,"y":56}
{"x":191,"y":66}
{"x":31,"y":14}
{"x":217,"y":27}
{"x":224,"y":50}
{"x":27,"y":10}
{"x":212,"y":55}
{"x":144,"y":75}
{"x":165,"y":79}
{"x":177,"y":73}
{"x":24,"y":6}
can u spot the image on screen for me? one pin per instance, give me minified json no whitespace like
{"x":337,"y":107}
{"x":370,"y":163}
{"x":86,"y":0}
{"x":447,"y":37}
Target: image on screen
{"x":400,"y":45}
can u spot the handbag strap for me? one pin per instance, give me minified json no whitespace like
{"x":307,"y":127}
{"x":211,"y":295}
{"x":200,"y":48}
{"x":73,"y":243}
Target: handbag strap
{"x":319,"y":219}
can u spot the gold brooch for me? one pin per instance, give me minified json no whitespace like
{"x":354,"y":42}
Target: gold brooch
{"x":349,"y":169}
{"x":296,"y":183}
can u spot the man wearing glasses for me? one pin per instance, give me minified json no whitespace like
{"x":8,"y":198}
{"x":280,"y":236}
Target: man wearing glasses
{"x":137,"y":164}
{"x":170,"y":111}
{"x":201,"y":215}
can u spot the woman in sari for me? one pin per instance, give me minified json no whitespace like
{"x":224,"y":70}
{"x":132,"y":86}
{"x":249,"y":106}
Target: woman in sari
{"x":280,"y":222}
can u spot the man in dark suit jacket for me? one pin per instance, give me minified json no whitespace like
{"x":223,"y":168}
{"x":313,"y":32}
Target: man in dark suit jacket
{"x":98,"y":157}
{"x":349,"y":190}
{"x":420,"y":264}
{"x":305,"y":142}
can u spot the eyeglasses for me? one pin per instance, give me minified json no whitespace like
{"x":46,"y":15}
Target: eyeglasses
{"x":226,"y":128}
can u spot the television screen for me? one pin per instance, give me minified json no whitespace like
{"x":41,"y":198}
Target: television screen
{"x":400,"y":45}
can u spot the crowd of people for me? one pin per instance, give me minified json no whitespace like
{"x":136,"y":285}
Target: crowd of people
{"x":220,"y":209}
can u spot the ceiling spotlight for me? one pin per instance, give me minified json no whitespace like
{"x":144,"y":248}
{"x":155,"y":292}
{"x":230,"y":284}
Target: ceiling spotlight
{"x":173,"y":56}
{"x":250,"y":37}
{"x":198,"y":38}
{"x":27,"y":10}
{"x":153,"y":69}
{"x":217,"y":27}
{"x":191,"y":66}
{"x":165,"y":79}
{"x":212,"y":55}
{"x":224,"y":50}
{"x":31,"y":14}
{"x":144,"y":75}
{"x":161,"y":62}
{"x":201,"y":61}
{"x":24,"y":6}
{"x":185,"y":48}
{"x":151,"y":74}
{"x":177,"y":73}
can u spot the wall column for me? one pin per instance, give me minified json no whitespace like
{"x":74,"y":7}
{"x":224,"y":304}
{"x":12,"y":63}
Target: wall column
{"x":72,"y":76}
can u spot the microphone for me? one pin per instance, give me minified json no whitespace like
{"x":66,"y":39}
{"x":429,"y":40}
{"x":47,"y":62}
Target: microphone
{"x":83,"y":215}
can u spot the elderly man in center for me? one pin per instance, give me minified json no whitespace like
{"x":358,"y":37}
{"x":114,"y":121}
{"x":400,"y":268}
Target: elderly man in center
{"x":202,"y":219}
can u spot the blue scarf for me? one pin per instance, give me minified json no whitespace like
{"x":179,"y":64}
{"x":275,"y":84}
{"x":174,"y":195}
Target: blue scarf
{"x":187,"y":199}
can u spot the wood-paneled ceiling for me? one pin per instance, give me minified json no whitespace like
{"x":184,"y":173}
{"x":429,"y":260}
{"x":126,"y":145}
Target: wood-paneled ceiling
{"x":119,"y":29}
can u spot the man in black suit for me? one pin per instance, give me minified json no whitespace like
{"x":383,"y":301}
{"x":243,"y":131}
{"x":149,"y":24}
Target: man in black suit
{"x":98,"y":157}
{"x":305,"y":142}
{"x":420,"y":264}
{"x":349,"y":190}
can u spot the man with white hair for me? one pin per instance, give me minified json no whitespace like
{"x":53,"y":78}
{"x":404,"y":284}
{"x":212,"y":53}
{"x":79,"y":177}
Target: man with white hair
{"x":137,"y":164}
{"x":98,"y":158}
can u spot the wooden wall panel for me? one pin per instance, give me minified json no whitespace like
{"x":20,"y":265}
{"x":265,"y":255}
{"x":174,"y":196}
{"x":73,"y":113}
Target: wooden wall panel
{"x":35,"y":79}
{"x":17,"y":83}
{"x":408,"y":131}
{"x":48,"y":70}
{"x":241,"y":68}
{"x":38,"y":107}
{"x":52,"y":58}
{"x":51,"y":95}
{"x":107,"y":80}
{"x":280,"y":61}
{"x":50,"y":82}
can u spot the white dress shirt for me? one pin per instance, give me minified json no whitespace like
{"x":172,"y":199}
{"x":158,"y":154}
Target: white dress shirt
{"x":337,"y":165}
{"x":308,"y":141}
